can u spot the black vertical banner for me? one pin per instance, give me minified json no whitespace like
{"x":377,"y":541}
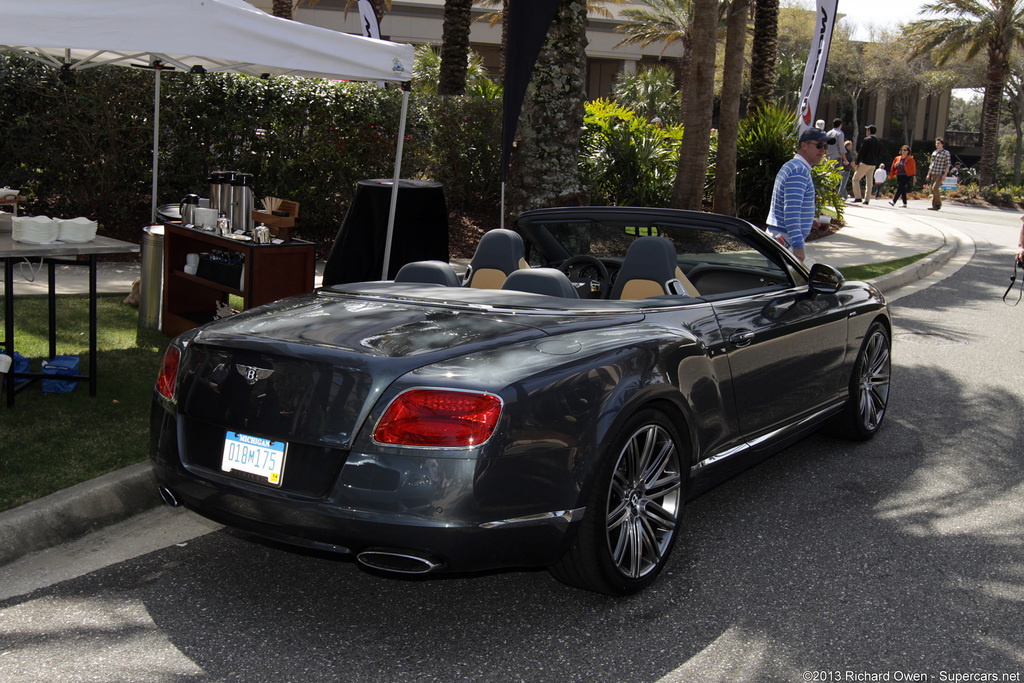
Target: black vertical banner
{"x":528,"y":23}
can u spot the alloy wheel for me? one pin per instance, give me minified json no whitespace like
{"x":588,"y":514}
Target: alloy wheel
{"x":873,"y":383}
{"x":643,"y":503}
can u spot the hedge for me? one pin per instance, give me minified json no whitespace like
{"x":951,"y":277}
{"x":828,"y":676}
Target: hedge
{"x":79,"y":143}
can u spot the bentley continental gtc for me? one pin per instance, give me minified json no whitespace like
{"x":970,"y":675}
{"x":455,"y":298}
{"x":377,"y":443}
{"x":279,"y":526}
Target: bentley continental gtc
{"x":553,"y":406}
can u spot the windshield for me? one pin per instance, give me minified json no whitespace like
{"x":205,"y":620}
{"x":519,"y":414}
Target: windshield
{"x":695,"y":245}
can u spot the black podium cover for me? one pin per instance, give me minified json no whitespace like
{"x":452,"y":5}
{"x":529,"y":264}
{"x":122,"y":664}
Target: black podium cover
{"x":420,"y":232}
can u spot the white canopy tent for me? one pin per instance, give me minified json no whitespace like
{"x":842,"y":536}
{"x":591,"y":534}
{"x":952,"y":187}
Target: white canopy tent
{"x":199,"y":35}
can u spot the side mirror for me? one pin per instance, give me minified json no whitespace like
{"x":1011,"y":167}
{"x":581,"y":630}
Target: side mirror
{"x":825,"y":279}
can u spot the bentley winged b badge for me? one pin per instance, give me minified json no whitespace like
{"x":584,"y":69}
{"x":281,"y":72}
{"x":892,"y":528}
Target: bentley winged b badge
{"x":253,"y":374}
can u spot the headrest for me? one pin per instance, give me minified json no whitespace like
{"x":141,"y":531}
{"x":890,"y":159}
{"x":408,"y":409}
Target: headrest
{"x":428,"y":272}
{"x":648,"y":258}
{"x":549,"y":281}
{"x":501,"y":249}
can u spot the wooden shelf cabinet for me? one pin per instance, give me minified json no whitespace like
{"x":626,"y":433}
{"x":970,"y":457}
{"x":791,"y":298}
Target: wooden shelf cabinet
{"x":271,"y":272}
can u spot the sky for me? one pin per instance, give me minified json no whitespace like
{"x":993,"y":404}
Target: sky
{"x":861,"y":14}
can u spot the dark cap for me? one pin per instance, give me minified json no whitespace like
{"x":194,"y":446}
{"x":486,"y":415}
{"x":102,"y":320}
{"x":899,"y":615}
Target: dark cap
{"x":872,"y":128}
{"x":815,"y":135}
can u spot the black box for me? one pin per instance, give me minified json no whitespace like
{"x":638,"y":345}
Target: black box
{"x":227,"y":274}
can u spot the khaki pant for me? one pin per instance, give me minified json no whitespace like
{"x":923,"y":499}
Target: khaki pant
{"x":937,"y":191}
{"x":863,"y":171}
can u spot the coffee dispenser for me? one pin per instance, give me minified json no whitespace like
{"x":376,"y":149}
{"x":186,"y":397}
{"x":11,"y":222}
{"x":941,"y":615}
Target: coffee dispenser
{"x":187,"y":208}
{"x":220,"y":190}
{"x":242,"y":202}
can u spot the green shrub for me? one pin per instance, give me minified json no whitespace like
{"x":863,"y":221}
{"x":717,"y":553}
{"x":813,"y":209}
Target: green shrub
{"x":1001,"y":196}
{"x":650,"y":92}
{"x":426,"y":72}
{"x":827,"y":176}
{"x":77,"y":142}
{"x":766,"y":141}
{"x":462,"y":145}
{"x":626,"y":160}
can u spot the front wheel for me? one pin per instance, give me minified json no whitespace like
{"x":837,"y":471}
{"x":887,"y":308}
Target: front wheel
{"x":633,"y":513}
{"x":869,"y":386}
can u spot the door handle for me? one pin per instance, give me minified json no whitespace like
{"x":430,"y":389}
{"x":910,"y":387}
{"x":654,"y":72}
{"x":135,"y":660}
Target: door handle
{"x":741,"y":338}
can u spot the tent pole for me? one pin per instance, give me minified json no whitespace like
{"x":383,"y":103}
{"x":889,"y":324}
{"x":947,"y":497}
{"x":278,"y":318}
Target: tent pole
{"x":406,"y":87}
{"x":156,"y":142}
{"x":502,"y":222}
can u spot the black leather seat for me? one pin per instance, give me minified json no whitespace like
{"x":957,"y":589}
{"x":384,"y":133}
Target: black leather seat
{"x":429,"y":272}
{"x":499,"y":254}
{"x":650,"y":269}
{"x":549,"y":281}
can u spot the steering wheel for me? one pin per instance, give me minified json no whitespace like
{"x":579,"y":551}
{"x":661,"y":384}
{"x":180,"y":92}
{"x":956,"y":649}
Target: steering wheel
{"x":585,"y":286}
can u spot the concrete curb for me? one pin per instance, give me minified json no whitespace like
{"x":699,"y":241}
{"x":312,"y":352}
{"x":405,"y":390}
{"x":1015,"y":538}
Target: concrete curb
{"x":75,"y":511}
{"x":919,"y":269}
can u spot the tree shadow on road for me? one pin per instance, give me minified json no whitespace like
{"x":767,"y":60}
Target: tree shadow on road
{"x":903,"y":553}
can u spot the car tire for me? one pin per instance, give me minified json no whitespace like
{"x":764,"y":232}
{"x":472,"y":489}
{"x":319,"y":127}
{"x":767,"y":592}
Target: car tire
{"x":634,"y":509}
{"x":869,"y":386}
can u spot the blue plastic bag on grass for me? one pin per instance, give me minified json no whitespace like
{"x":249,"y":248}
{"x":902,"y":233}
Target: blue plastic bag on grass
{"x":60,"y":365}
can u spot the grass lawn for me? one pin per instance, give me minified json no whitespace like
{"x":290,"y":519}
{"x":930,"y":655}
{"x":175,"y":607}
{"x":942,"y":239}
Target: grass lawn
{"x":872,"y":270}
{"x":51,"y":441}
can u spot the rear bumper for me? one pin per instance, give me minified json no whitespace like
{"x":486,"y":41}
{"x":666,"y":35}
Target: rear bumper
{"x":464,"y":514}
{"x":535,"y":540}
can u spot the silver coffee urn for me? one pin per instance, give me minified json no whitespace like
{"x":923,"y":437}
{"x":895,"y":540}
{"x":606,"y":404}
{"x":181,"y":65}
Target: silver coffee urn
{"x":220,"y":191}
{"x":242,"y":202}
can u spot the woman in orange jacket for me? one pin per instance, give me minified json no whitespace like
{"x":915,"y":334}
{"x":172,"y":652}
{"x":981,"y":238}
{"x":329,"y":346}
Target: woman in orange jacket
{"x":903,"y":170}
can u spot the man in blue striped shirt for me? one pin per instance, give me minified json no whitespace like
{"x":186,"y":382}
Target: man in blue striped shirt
{"x":791,"y":216}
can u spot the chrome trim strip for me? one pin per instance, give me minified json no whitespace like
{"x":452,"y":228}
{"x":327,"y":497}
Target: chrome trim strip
{"x":558,"y":517}
{"x":721,"y":456}
{"x":762,"y":439}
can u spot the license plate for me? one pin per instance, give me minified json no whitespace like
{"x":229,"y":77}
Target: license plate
{"x":254,"y":455}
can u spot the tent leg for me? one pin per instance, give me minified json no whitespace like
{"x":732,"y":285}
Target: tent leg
{"x":502,"y":222}
{"x":406,"y":87}
{"x":156,"y":143}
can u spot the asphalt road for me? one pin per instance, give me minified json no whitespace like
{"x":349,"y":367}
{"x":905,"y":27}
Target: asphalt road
{"x":898,"y":559}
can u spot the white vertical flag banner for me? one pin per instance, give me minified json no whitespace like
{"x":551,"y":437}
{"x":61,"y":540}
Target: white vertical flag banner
{"x":368,"y":18}
{"x":371,"y":29}
{"x":814,"y":73}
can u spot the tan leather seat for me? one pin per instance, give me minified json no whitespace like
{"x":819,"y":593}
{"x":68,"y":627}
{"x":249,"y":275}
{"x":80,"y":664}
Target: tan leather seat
{"x":650,"y":269}
{"x":499,"y":254}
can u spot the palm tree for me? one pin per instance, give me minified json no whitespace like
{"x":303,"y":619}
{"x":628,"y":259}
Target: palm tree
{"x":696,"y":144}
{"x":963,"y":28}
{"x":282,"y":8}
{"x":765,"y":45}
{"x":667,"y":21}
{"x":729,"y":118}
{"x":544,"y":169}
{"x":455,"y":47}
{"x":651,"y":92}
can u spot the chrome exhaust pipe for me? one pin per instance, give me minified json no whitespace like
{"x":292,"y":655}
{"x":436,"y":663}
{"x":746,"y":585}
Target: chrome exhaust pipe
{"x":397,"y":562}
{"x":168,"y":497}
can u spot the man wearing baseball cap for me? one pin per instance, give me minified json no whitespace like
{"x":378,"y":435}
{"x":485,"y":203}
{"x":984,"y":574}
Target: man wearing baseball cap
{"x":791,"y":215}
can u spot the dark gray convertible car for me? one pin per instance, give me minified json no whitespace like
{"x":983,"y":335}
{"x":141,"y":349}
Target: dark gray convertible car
{"x":553,"y":407}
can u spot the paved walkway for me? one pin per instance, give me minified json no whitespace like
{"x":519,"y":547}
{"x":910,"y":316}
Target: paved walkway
{"x":875,"y":233}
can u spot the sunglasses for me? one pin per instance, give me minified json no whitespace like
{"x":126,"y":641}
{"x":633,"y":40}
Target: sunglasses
{"x":821,"y":145}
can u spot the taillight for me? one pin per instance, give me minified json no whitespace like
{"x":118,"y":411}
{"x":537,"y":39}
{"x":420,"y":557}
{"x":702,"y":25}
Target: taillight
{"x":168,"y":379}
{"x":439,"y":418}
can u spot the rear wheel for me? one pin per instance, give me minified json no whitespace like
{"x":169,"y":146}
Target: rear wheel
{"x":633,"y":513}
{"x":869,"y":386}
